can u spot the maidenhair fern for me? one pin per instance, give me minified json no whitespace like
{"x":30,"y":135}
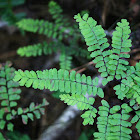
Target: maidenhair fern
{"x":57,"y":32}
{"x":9,"y":95}
{"x":113,"y":121}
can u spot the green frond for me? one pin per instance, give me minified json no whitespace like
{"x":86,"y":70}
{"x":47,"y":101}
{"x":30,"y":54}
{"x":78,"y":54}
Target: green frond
{"x":82,"y":104}
{"x":30,"y":112}
{"x":136,"y":119}
{"x":65,"y":61}
{"x":95,"y":38}
{"x":89,"y":116}
{"x":62,"y":80}
{"x":79,"y":100}
{"x":9,"y":91}
{"x":9,"y":94}
{"x":57,"y":14}
{"x":42,"y":27}
{"x":129,"y":86}
{"x":111,"y":124}
{"x":121,"y":44}
{"x":38,"y":49}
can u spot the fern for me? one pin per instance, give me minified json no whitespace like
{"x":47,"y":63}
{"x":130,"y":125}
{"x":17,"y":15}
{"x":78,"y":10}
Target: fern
{"x":82,"y":104}
{"x":120,"y":44}
{"x":65,"y":60}
{"x":135,"y":119}
{"x":113,"y":125}
{"x":59,"y":80}
{"x":113,"y":121}
{"x":38,"y":49}
{"x":56,"y":11}
{"x":6,"y":11}
{"x":129,"y":86}
{"x":95,"y":38}
{"x":42,"y":27}
{"x":9,"y":95}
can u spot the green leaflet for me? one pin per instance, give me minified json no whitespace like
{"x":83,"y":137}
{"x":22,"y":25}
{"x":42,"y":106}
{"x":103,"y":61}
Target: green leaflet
{"x":59,"y":80}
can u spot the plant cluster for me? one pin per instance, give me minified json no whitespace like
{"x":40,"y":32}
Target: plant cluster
{"x":114,"y":122}
{"x":9,"y":96}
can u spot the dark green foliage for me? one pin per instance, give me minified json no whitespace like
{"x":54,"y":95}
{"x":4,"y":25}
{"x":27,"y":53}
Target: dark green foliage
{"x":15,"y":135}
{"x":6,"y":10}
{"x":9,"y":95}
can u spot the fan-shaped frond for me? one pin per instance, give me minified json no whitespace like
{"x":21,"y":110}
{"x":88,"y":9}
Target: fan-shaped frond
{"x":59,"y":80}
{"x":95,"y":38}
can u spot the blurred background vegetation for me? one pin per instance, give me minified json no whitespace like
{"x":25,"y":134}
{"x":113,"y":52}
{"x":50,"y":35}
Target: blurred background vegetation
{"x":106,"y":12}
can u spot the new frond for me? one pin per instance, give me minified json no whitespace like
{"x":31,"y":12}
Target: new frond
{"x":62,"y":80}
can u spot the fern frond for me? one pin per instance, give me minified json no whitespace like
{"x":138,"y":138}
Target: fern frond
{"x":38,"y":49}
{"x":129,"y":86}
{"x":136,"y":119}
{"x":29,"y":113}
{"x":121,"y":44}
{"x":42,"y":27}
{"x":9,"y":94}
{"x":95,"y":38}
{"x":56,"y":11}
{"x":62,"y":80}
{"x":9,"y":91}
{"x":82,"y":104}
{"x":113,"y":125}
{"x":65,"y":61}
